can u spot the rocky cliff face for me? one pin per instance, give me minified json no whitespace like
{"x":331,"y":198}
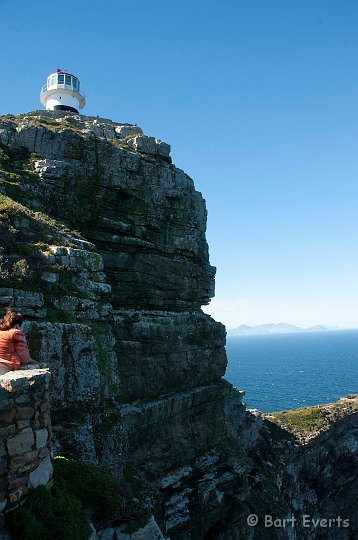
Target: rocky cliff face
{"x":104,"y":251}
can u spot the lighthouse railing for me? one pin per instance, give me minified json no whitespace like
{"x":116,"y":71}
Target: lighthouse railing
{"x":62,"y":86}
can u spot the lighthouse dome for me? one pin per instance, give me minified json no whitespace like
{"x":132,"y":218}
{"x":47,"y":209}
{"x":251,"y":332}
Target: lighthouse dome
{"x":62,"y":92}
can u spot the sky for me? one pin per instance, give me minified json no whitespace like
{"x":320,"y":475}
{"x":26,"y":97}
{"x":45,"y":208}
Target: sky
{"x":258,"y":100}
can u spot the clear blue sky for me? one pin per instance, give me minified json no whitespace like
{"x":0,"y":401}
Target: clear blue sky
{"x":259,"y":102}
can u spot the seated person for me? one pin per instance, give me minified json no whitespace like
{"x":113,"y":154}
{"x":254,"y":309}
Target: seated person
{"x":14,"y":351}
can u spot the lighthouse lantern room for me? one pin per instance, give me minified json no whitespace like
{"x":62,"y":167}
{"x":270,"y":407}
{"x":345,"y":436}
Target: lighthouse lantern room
{"x":62,"y":93}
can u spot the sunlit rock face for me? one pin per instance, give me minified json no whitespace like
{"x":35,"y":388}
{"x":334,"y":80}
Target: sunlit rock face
{"x":142,"y":213}
{"x":115,"y":300}
{"x":104,"y":252}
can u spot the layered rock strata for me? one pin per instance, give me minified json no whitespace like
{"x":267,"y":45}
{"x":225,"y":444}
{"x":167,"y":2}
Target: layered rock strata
{"x":136,"y":364}
{"x":104,"y":251}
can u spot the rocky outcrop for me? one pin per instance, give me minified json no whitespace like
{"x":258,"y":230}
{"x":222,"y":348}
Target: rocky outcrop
{"x":143,"y":214}
{"x":150,"y":531}
{"x":104,"y":251}
{"x":25,"y":435}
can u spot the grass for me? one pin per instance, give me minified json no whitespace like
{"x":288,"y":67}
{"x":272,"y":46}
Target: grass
{"x":58,"y":124}
{"x":12,"y":209}
{"x":10,"y":176}
{"x":301,"y":422}
{"x":7,"y":183}
{"x":119,"y":143}
{"x":24,"y":234}
{"x":128,"y":137}
{"x":7,"y":205}
{"x":16,"y":167}
{"x":46,"y":121}
{"x":306,"y":423}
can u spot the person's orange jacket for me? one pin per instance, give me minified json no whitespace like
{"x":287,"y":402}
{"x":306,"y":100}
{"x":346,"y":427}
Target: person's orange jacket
{"x":13,"y":348}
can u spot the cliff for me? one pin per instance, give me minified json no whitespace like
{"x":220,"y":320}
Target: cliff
{"x":104,"y":252}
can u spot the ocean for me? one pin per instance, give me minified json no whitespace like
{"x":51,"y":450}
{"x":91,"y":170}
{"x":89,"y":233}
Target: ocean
{"x":285,"y":371}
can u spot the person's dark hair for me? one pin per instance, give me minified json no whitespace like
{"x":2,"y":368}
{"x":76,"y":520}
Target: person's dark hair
{"x":10,"y":319}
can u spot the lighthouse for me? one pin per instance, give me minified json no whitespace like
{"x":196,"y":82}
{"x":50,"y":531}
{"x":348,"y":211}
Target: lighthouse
{"x":62,"y":93}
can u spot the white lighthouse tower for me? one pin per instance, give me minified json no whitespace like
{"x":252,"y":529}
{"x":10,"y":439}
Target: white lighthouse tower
{"x":62,"y":93}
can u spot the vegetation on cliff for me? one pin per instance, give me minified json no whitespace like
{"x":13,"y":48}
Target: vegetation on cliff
{"x":81,"y":493}
{"x":306,"y":423}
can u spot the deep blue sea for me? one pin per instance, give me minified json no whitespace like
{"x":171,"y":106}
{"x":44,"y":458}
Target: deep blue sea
{"x":285,"y":371}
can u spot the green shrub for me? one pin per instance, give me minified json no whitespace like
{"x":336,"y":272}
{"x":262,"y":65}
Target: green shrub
{"x":55,"y":314}
{"x":15,"y":274}
{"x":81,"y":492}
{"x":102,"y":495}
{"x":96,"y":488}
{"x":49,"y":515}
{"x":20,"y":269}
{"x":34,"y":157}
{"x":23,"y":524}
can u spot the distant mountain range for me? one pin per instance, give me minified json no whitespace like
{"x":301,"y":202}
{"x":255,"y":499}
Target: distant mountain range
{"x":279,"y":328}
